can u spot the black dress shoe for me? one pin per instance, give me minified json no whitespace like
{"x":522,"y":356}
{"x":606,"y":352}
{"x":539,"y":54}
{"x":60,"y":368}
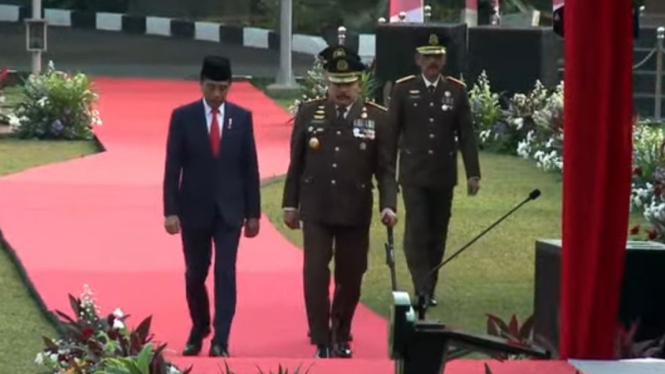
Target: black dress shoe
{"x":322,"y":351}
{"x":217,"y":350}
{"x":195,"y":341}
{"x":342,"y":350}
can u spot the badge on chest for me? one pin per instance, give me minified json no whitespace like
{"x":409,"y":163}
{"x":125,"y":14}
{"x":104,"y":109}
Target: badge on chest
{"x":315,"y":128}
{"x":364,"y":127}
{"x":447,"y":102}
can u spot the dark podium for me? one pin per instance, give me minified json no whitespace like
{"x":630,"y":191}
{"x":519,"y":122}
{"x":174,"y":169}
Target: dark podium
{"x":396,"y":51}
{"x":424,"y":347}
{"x":641,"y":294}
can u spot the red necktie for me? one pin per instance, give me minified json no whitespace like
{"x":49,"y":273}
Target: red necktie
{"x":214,"y":133}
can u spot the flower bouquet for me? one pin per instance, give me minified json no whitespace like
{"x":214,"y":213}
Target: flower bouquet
{"x":94,"y":344}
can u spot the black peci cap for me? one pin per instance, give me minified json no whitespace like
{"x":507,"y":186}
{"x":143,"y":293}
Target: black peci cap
{"x":216,"y":68}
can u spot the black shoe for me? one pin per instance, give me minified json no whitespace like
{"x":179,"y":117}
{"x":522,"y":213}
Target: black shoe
{"x":195,"y":341}
{"x":342,"y":350}
{"x":322,"y":351}
{"x":217,"y":350}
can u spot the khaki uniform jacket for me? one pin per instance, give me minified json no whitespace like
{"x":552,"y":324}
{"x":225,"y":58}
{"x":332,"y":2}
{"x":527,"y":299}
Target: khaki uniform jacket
{"x":333,"y":162}
{"x":424,"y":127}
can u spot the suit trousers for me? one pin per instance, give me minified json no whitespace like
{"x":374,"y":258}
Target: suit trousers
{"x":197,"y":244}
{"x":426,"y":229}
{"x":350,"y":245}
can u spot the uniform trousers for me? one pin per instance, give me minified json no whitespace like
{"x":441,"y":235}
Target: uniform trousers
{"x":197,"y":243}
{"x":426,"y":229}
{"x":349,"y":245}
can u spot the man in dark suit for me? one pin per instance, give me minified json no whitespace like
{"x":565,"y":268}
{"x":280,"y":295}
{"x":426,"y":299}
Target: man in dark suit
{"x":339,"y":144}
{"x":430,"y":118}
{"x":211,"y":191}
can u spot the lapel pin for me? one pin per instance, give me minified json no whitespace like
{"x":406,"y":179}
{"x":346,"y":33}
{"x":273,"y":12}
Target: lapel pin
{"x":230,"y":123}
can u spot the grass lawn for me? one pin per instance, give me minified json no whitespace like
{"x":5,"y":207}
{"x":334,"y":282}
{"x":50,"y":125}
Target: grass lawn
{"x":496,"y":274}
{"x":21,"y":323}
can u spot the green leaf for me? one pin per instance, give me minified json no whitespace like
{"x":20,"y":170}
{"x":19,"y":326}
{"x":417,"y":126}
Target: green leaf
{"x":143,"y":359}
{"x":50,"y":344}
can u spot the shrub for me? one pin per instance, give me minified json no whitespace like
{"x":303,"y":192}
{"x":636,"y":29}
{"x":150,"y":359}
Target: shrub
{"x":56,"y":105}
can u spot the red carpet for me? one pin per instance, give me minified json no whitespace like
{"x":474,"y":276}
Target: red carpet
{"x":97,"y":221}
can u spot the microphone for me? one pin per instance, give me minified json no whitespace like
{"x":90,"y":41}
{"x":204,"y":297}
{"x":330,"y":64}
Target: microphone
{"x":532,"y":196}
{"x":421,"y":305}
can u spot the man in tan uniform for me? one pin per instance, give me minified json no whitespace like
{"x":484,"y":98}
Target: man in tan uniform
{"x":338,"y":145}
{"x":430,"y":118}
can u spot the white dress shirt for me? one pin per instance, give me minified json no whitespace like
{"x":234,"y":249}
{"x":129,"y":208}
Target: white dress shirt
{"x":348,"y":109}
{"x":220,"y":117}
{"x":428,"y":83}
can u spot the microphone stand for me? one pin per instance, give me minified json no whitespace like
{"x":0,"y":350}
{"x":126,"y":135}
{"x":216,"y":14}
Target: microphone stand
{"x":423,"y":301}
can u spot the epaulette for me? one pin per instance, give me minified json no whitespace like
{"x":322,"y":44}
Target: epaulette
{"x":377,"y":106}
{"x":405,"y":79}
{"x":316,"y":99}
{"x":456,"y":81}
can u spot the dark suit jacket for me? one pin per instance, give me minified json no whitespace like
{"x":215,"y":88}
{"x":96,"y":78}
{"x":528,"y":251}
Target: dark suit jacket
{"x":196,"y":183}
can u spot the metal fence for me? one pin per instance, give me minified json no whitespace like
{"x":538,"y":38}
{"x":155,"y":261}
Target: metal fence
{"x":657,"y":51}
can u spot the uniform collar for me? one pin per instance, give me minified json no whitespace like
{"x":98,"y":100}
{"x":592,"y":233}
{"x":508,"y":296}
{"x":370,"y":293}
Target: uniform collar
{"x":428,"y":83}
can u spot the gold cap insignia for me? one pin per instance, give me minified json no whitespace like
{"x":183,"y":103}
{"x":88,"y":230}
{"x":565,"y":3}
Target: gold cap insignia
{"x":433,"y":39}
{"x":342,"y":65}
{"x":339,"y":53}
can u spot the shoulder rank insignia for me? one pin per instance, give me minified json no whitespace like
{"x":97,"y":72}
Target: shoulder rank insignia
{"x":375,"y":105}
{"x":456,"y":81}
{"x":405,"y":79}
{"x":313,"y":100}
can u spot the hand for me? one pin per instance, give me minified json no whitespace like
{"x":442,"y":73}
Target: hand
{"x":388,"y":217}
{"x":473,"y":185}
{"x":172,"y":224}
{"x":292,"y":219}
{"x":251,"y":228}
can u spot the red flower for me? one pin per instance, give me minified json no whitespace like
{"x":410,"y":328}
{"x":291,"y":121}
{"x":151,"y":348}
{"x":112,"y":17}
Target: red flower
{"x":87,"y":332}
{"x":638,"y":171}
{"x":652,"y":234}
{"x":658,"y":190}
{"x":635,"y":230}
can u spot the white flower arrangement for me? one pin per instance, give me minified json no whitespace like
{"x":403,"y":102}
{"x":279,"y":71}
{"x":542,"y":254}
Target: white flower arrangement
{"x":56,"y":105}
